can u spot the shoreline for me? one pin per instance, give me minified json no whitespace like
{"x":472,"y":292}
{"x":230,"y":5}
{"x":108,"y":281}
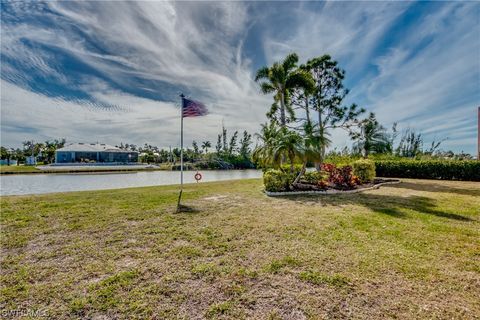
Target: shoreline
{"x":63,"y":171}
{"x":35,"y":170}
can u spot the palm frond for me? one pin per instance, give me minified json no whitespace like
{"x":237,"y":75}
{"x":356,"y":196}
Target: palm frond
{"x":290,"y":61}
{"x":277,"y":73}
{"x":262,"y":73}
{"x":302,"y":79}
{"x":266,"y":87}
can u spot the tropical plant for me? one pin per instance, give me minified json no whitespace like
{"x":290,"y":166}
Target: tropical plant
{"x":277,"y":144}
{"x":232,"y":146}
{"x":343,"y":178}
{"x":313,"y":145}
{"x":245,"y":143}
{"x":364,"y":169}
{"x":276,"y":180}
{"x":218,"y":146}
{"x":280,"y":79}
{"x":410,"y":144}
{"x":196,"y":150}
{"x":289,"y":145}
{"x":371,"y":138}
{"x":49,"y":148}
{"x":268,"y":137}
{"x":5,"y":153}
{"x":206,"y":145}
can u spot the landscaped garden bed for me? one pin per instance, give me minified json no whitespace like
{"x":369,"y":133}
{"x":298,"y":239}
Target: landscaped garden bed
{"x":375,"y":184}
{"x":330,"y":179}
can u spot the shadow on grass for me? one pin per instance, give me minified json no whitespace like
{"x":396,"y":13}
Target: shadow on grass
{"x":434,"y":187}
{"x":384,"y":204}
{"x":186,"y":209}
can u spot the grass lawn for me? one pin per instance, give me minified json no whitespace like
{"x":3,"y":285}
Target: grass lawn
{"x":32,"y":169}
{"x":404,"y":251}
{"x":18,"y":169}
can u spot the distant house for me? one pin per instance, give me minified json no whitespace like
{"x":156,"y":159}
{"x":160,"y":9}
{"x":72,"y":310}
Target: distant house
{"x":94,"y":152}
{"x":31,"y":161}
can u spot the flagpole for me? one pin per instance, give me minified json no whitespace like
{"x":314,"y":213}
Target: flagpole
{"x":181,"y":146}
{"x":181,"y":152}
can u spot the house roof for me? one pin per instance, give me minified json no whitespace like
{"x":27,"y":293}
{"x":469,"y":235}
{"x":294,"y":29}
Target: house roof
{"x":91,"y":147}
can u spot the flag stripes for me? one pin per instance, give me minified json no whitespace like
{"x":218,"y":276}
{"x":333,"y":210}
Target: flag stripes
{"x":192,"y":108}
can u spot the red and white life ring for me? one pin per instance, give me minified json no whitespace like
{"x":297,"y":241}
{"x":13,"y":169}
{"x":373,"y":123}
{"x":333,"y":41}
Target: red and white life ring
{"x":198,"y":176}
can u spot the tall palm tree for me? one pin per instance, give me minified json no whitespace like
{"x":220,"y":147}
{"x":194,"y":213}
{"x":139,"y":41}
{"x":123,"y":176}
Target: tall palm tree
{"x":372,"y":137}
{"x":279,"y":79}
{"x":206,"y":145}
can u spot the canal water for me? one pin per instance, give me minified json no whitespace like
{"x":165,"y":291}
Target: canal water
{"x":21,"y":184}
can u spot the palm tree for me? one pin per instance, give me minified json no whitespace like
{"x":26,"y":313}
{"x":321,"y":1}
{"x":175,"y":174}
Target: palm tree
{"x":279,"y":79}
{"x":371,"y":138}
{"x":206,"y":145}
{"x":269,"y":136}
{"x":312,"y":148}
{"x":289,"y":145}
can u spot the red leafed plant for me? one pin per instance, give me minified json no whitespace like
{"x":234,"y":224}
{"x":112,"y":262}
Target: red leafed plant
{"x":328,"y":167}
{"x":343,"y":178}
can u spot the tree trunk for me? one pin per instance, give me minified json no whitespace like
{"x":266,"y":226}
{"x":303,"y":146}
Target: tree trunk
{"x":302,"y":172}
{"x":307,"y":109}
{"x":283,"y":120}
{"x":292,"y":163}
{"x":318,"y":164}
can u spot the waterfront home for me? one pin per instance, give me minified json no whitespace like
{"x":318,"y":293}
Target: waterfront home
{"x":94,"y":153}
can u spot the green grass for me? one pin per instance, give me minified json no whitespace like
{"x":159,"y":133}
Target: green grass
{"x":22,"y":169}
{"x":4,"y":169}
{"x":403,"y":251}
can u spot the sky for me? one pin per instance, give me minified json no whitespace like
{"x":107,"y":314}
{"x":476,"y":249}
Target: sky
{"x":112,"y":71}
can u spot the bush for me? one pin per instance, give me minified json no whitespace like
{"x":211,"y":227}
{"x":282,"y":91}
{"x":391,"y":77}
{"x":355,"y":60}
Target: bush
{"x":364,"y":169}
{"x":277,"y":180}
{"x":328,"y":167}
{"x":430,"y":169}
{"x":343,"y":178}
{"x":313,"y":177}
{"x":286,"y":168}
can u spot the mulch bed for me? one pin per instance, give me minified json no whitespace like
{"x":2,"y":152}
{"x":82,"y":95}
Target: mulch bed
{"x":304,"y":188}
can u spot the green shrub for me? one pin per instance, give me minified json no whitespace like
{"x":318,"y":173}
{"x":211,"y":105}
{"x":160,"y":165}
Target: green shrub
{"x":364,"y":169}
{"x":313,"y":177}
{"x":429,"y":169}
{"x":286,"y":168}
{"x":277,"y":180}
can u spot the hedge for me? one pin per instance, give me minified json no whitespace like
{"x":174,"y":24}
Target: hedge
{"x":277,"y":180}
{"x":429,"y":169}
{"x":364,"y":169}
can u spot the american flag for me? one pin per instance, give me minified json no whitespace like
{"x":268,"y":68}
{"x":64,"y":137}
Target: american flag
{"x":192,"y":108}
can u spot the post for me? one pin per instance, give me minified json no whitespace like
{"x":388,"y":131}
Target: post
{"x":478,"y":137}
{"x":181,"y":153}
{"x":181,"y":144}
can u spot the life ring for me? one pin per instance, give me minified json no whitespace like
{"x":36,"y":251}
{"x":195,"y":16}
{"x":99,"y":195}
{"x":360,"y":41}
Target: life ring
{"x":198,"y":176}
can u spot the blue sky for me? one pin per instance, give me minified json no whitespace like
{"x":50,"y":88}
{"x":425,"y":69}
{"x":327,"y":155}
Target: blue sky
{"x":111,"y":71}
